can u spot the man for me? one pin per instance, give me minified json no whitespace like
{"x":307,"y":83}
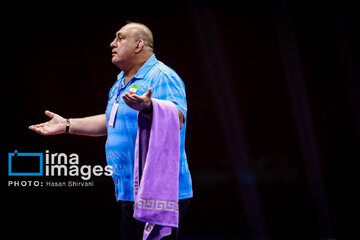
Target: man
{"x":142,"y":77}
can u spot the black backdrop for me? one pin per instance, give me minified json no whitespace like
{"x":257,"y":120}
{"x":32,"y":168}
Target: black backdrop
{"x":273,"y":113}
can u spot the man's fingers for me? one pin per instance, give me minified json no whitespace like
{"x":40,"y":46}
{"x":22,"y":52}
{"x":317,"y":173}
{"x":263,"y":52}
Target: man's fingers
{"x":49,"y":114}
{"x":148,"y":93}
{"x":145,"y":95}
{"x":138,"y":102}
{"x":127,"y":100}
{"x":36,"y":126}
{"x":38,"y":129}
{"x":130,"y":98}
{"x":137,"y":98}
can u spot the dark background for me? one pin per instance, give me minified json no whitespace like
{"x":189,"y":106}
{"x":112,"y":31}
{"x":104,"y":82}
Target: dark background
{"x":273,"y":113}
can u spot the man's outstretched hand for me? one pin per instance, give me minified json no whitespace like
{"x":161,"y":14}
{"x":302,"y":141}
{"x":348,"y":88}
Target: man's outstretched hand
{"x":56,"y":125}
{"x":137,"y":102}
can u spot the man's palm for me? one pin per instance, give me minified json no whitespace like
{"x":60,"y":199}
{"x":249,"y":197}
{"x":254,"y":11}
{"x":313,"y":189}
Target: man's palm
{"x":55,"y":126}
{"x":136,"y":102}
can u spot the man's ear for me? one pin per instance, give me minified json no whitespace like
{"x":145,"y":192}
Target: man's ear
{"x":139,"y":46}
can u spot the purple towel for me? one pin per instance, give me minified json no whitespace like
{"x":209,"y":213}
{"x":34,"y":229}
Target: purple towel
{"x":157,"y":154}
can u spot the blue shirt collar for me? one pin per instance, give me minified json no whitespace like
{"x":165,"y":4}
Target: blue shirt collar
{"x":143,"y":70}
{"x":146,"y":67}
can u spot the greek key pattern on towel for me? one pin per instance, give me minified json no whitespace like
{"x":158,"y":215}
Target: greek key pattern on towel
{"x":157,"y":204}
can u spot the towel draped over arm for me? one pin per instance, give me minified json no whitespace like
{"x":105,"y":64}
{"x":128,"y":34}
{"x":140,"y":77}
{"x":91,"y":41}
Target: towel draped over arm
{"x":156,"y":170}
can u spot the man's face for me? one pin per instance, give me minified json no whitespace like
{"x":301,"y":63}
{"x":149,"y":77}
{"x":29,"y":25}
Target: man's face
{"x":123,"y":46}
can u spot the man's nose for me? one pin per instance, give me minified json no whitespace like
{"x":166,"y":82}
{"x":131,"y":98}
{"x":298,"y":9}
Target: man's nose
{"x":113,"y":44}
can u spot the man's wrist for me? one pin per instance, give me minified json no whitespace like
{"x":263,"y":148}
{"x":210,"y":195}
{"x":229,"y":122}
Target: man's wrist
{"x":147,"y":110}
{"x":67,"y":126}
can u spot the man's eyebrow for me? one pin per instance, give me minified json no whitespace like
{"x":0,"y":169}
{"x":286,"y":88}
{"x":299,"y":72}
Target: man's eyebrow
{"x":118,"y":34}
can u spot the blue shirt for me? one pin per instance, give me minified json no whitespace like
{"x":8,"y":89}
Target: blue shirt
{"x":120,"y":144}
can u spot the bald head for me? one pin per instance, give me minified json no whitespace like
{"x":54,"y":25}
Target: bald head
{"x":132,"y":46}
{"x":141,"y":32}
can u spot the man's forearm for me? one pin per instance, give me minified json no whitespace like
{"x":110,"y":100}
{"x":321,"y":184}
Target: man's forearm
{"x":90,"y":126}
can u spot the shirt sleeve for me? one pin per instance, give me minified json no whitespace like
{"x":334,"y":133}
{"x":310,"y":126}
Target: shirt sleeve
{"x":171,"y":88}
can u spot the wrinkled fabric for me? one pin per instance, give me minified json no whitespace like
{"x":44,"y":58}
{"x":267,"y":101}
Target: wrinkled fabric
{"x":156,"y":170}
